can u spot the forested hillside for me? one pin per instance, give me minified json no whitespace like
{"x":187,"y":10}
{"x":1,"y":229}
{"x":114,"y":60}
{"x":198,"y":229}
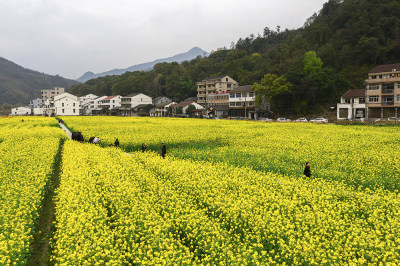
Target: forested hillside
{"x":19,"y":85}
{"x":349,"y":37}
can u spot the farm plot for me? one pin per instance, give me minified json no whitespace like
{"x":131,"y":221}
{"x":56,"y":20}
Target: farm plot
{"x":120,"y":209}
{"x":27,"y":152}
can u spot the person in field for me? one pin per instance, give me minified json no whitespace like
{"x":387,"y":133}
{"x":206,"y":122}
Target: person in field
{"x":163,"y":150}
{"x":91,"y":139}
{"x":96,"y":140}
{"x":116,"y":143}
{"x":307,"y":170}
{"x":143,"y":147}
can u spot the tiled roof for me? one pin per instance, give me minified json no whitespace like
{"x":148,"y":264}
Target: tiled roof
{"x":110,"y":97}
{"x":354,"y":93}
{"x":219,"y":77}
{"x":184,"y":103}
{"x":385,"y":68}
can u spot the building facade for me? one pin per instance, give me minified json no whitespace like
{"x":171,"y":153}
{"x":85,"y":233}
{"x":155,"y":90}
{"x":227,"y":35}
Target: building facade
{"x":352,"y":105}
{"x":35,"y":103}
{"x":215,"y":90}
{"x":129,"y":102}
{"x":22,"y":110}
{"x":66,"y":104}
{"x":383,"y":91}
{"x":111,"y":102}
{"x":242,"y":102}
{"x":48,"y":94}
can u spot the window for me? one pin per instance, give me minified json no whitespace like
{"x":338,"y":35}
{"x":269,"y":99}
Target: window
{"x":73,"y":110}
{"x":73,"y":105}
{"x":251,"y":103}
{"x":238,"y":94}
{"x":52,"y":92}
{"x":238,"y":104}
{"x":361,"y":100}
{"x":231,"y":95}
{"x":380,"y":76}
{"x":347,"y":100}
{"x":373,"y":77}
{"x":244,"y":94}
{"x":113,"y":101}
{"x":251,"y":94}
{"x":373,"y":99}
{"x":62,"y":111}
{"x":398,"y":85}
{"x":228,"y":85}
{"x":373,"y":87}
{"x":232,"y":104}
{"x":226,"y":79}
{"x":62,"y":104}
{"x":398,"y":97}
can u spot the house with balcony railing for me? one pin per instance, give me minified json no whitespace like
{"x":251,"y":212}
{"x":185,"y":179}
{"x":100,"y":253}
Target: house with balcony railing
{"x":214,"y":90}
{"x":352,"y":105}
{"x":383,"y":91}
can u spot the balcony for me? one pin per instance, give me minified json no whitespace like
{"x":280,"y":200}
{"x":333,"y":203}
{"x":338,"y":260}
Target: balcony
{"x":201,"y":89}
{"x":388,"y":91}
{"x":201,"y":95}
{"x":386,"y":103}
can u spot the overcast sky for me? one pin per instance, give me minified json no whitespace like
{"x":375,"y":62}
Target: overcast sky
{"x":70,"y":37}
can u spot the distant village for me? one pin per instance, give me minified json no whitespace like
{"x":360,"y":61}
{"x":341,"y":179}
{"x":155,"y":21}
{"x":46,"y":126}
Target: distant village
{"x":221,"y":97}
{"x":216,"y":97}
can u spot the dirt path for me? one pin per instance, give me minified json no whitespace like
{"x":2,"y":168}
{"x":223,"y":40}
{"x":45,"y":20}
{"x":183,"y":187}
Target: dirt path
{"x":41,"y":249}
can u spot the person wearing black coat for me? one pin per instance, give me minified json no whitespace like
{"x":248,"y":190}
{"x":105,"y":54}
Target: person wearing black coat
{"x":307,"y":170}
{"x":163,"y":150}
{"x":116,"y":143}
{"x":143,"y":147}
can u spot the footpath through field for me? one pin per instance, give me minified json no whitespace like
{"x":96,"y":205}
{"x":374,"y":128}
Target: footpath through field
{"x":66,"y":130}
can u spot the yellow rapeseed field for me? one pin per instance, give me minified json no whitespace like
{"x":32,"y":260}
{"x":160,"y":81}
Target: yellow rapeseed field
{"x":114,"y":208}
{"x":357,"y":155}
{"x":27,"y":151}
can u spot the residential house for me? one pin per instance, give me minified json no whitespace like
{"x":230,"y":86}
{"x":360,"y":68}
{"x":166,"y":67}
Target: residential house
{"x":352,"y":105}
{"x":22,"y":110}
{"x":185,"y":104}
{"x":218,"y":110}
{"x":86,"y":102}
{"x":66,"y":104}
{"x":129,"y":102}
{"x":48,"y":94}
{"x":35,"y":103}
{"x":94,"y":106}
{"x":111,"y":102}
{"x":162,"y":108}
{"x":218,"y":86}
{"x":383,"y":91}
{"x":242,"y":102}
{"x":161,"y":99}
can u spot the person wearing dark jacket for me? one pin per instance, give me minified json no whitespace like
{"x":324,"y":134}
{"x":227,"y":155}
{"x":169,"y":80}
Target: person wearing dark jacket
{"x":307,"y":170}
{"x":143,"y":147}
{"x":116,"y":143}
{"x":163,"y":150}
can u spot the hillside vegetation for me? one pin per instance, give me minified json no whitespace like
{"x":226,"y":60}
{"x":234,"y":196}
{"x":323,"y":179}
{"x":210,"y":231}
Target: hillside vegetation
{"x":349,"y":37}
{"x":19,"y":85}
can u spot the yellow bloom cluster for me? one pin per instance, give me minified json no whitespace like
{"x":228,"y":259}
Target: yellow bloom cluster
{"x":357,"y":155}
{"x":118,"y":209}
{"x":27,"y":152}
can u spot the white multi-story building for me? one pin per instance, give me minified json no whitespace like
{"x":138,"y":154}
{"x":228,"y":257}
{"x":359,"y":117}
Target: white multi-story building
{"x":22,"y":110}
{"x":162,"y":108}
{"x":66,"y":104}
{"x":111,"y":102}
{"x":129,"y":102}
{"x":352,"y":105}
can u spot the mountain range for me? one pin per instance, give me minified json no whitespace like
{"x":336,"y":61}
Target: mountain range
{"x":189,"y":55}
{"x":19,"y":85}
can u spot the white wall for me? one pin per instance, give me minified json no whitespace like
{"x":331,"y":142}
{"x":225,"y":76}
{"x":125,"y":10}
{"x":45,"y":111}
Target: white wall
{"x":21,"y":111}
{"x":66,"y":104}
{"x":198,"y":106}
{"x":140,"y":99}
